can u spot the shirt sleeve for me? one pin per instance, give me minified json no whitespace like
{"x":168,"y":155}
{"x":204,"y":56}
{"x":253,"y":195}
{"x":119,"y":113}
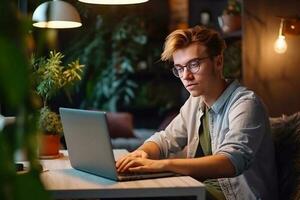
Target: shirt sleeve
{"x":248,"y":125}
{"x":174,"y":138}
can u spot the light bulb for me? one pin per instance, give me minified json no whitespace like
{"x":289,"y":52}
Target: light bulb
{"x":280,"y":45}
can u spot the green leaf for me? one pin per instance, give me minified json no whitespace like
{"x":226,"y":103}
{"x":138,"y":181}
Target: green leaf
{"x":29,"y":185}
{"x":13,"y":72}
{"x":130,"y":92}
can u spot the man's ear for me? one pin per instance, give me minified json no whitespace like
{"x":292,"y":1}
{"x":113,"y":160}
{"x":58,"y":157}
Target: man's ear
{"x":219,"y":59}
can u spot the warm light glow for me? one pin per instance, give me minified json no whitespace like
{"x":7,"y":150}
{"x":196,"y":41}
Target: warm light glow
{"x":280,"y":45}
{"x":56,"y":14}
{"x":57,"y":24}
{"x":114,"y":2}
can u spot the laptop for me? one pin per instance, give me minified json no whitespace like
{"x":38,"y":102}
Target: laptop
{"x":89,"y":145}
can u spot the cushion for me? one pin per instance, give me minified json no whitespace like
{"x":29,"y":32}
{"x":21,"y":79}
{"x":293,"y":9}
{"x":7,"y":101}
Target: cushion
{"x":286,"y":135}
{"x":120,"y":124}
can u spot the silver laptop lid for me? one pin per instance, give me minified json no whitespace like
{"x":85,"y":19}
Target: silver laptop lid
{"x":88,"y":141}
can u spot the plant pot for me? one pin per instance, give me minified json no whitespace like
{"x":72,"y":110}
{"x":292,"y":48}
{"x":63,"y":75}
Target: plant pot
{"x":49,"y":146}
{"x":230,"y":23}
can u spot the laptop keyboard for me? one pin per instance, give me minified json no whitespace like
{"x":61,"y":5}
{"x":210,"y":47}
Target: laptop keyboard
{"x":135,"y":176}
{"x":133,"y":173}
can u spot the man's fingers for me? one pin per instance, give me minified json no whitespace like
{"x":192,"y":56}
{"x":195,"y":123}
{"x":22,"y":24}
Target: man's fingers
{"x":131,"y":160}
{"x":122,"y":165}
{"x":118,"y":163}
{"x":128,"y":165}
{"x":122,"y":159}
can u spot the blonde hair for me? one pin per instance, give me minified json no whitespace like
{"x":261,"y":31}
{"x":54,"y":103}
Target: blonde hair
{"x":182,"y":38}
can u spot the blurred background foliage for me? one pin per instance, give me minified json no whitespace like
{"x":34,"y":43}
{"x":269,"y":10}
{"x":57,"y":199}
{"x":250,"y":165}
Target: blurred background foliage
{"x":121,"y":51}
{"x":116,"y":54}
{"x":233,"y":61}
{"x":16,"y":95}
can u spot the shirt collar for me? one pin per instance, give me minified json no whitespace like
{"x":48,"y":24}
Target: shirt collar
{"x":219,"y":103}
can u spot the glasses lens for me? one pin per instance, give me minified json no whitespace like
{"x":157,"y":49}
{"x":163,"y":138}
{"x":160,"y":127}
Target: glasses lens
{"x":194,"y":66}
{"x":175,"y":71}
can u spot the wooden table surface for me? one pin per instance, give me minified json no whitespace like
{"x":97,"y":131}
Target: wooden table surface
{"x":65,"y":182}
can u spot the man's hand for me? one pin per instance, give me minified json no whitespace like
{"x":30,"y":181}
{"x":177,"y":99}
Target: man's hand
{"x":147,"y":165}
{"x":138,"y":164}
{"x":140,"y":157}
{"x":123,"y":162}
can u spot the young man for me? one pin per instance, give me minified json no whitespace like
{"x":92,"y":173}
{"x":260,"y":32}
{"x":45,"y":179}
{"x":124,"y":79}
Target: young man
{"x":223,"y":126}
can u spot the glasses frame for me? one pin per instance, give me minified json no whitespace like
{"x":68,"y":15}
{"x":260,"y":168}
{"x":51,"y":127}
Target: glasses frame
{"x":188,"y":67}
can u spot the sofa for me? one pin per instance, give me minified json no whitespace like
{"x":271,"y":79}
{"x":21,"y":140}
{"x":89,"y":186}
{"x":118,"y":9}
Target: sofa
{"x":286,"y":136}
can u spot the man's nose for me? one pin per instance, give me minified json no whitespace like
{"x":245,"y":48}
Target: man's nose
{"x":186,"y":74}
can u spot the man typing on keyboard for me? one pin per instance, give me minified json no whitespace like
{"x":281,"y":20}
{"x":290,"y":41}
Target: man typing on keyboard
{"x":223,"y":126}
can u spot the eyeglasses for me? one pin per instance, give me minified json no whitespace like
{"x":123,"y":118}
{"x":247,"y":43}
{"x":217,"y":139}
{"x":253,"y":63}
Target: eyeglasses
{"x":193,"y":66}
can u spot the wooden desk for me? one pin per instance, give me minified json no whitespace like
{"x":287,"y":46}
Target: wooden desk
{"x":65,"y":182}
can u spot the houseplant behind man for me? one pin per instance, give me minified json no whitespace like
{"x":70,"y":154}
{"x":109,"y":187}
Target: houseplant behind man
{"x":51,"y":77}
{"x":51,"y":127}
{"x":223,"y":126}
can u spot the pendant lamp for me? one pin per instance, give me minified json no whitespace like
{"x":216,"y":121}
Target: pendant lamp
{"x":114,"y":2}
{"x":56,"y":14}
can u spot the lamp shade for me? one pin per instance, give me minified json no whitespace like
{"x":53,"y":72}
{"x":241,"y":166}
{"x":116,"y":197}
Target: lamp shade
{"x":114,"y":2}
{"x":56,"y":14}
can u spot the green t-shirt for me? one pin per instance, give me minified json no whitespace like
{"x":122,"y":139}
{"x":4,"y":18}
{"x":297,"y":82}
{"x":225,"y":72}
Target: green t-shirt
{"x":212,"y":186}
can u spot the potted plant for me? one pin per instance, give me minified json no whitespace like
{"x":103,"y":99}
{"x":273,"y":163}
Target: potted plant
{"x":51,"y":127}
{"x":230,"y":20}
{"x":51,"y":77}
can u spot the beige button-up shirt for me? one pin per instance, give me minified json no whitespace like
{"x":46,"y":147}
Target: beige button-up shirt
{"x":239,"y":129}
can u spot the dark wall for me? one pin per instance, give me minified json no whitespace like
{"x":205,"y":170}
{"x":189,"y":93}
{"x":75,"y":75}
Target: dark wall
{"x":214,"y":7}
{"x":275,"y":77}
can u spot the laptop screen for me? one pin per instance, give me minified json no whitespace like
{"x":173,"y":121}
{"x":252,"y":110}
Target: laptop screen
{"x":88,"y":141}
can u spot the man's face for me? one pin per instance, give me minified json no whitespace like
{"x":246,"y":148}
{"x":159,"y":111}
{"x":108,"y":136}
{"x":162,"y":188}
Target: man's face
{"x":209,"y":73}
